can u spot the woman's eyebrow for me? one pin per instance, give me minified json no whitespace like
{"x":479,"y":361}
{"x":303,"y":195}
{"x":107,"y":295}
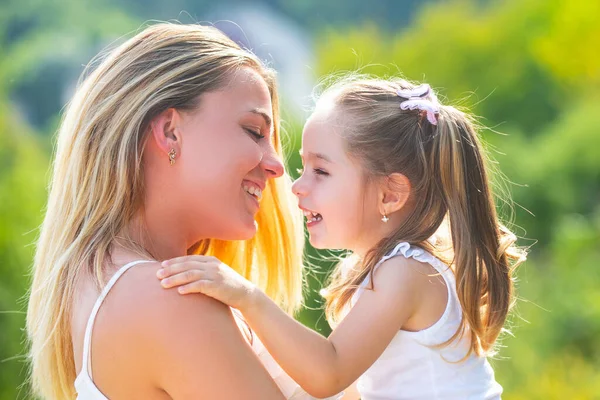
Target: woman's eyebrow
{"x":263,"y":114}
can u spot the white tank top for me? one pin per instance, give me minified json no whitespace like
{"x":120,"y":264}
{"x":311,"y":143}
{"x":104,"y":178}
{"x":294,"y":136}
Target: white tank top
{"x":410,"y":368}
{"x":87,"y":390}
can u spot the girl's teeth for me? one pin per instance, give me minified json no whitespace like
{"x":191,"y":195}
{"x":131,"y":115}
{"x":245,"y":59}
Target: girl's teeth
{"x":312,"y":216}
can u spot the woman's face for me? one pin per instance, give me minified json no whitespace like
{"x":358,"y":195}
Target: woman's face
{"x":225,"y":159}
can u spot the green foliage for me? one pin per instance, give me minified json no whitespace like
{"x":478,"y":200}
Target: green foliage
{"x":528,"y":68}
{"x":23,"y":166}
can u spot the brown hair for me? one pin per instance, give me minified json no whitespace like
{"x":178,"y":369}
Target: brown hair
{"x":446,"y":167}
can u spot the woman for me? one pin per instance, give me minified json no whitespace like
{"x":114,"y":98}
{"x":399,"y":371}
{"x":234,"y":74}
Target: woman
{"x":165,"y":150}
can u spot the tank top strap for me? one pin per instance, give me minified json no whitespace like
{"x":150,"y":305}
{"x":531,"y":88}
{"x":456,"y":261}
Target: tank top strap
{"x":408,"y":251}
{"x":86,"y":367}
{"x":398,"y":249}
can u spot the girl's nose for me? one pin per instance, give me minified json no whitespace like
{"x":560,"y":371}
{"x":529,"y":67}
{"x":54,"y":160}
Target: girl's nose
{"x":298,"y":187}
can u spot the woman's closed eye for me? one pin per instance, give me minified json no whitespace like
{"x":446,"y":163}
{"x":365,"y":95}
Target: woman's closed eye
{"x":255,"y":133}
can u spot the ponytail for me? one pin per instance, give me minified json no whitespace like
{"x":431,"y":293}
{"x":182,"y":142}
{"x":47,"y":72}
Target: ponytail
{"x":484,"y":255}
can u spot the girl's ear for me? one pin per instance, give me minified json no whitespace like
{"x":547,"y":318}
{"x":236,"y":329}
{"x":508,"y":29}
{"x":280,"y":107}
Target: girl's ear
{"x":394,"y":193}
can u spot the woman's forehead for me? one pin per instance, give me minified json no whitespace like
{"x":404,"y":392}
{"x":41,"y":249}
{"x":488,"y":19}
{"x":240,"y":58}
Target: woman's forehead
{"x":247,"y":85}
{"x":244,"y":93}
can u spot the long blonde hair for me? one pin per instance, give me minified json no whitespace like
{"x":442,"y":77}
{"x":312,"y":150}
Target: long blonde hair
{"x":448,"y":172}
{"x":96,"y":186}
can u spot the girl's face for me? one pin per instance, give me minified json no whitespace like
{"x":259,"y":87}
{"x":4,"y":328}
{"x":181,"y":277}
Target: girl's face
{"x":340,"y":208}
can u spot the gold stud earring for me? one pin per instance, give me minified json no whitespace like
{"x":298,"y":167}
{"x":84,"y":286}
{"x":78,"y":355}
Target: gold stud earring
{"x":385,"y":218}
{"x":172,"y":154}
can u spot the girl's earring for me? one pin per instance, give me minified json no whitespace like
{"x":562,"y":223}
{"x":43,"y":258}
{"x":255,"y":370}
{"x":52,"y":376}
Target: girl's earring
{"x":172,"y":154}
{"x":385,"y":218}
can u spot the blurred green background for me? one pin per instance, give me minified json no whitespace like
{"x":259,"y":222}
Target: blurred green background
{"x":529,"y":68}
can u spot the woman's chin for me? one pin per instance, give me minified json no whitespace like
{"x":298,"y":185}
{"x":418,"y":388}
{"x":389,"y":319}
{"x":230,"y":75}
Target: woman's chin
{"x":246,"y":230}
{"x":242,"y":228}
{"x":251,"y":231}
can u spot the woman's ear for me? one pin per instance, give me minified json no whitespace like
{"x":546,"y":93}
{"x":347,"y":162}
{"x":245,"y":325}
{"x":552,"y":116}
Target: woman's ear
{"x":166,"y":133}
{"x":394,"y":193}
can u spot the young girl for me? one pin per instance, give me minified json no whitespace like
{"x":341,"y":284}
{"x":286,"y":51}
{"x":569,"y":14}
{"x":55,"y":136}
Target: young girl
{"x":400,"y":180}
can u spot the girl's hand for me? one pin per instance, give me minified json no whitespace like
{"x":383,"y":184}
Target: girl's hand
{"x":209,"y":276}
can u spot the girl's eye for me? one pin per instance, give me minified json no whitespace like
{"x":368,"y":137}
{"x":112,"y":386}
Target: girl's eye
{"x":317,"y":171}
{"x":254,"y":133}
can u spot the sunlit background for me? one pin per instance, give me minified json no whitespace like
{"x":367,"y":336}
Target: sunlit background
{"x":529,"y":68}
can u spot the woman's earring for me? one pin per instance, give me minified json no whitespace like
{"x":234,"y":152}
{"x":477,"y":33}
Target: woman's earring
{"x":172,"y":154}
{"x":385,"y":218}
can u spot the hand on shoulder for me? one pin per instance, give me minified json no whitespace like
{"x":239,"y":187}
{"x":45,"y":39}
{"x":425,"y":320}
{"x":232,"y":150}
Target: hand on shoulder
{"x":189,"y":344}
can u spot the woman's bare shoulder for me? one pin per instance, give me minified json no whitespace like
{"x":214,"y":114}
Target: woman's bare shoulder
{"x":138,"y":306}
{"x":139,"y":298}
{"x":191,"y":344}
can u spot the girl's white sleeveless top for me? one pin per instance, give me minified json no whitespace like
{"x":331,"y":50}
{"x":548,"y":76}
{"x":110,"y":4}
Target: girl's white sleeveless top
{"x":412,"y":368}
{"x":87,"y":390}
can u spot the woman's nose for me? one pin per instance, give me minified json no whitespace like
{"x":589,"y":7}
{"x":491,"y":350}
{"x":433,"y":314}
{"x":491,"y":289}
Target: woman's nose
{"x":272,"y":164}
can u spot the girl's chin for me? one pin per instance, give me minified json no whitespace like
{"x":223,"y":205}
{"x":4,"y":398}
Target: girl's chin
{"x":317,"y":243}
{"x":321,"y":243}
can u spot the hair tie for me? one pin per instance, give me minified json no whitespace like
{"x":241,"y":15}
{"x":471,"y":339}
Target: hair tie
{"x":415,"y":100}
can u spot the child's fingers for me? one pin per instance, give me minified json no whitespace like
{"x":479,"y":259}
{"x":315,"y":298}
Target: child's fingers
{"x":178,"y":260}
{"x":173,"y":269}
{"x":182,"y":278}
{"x":200,"y":286}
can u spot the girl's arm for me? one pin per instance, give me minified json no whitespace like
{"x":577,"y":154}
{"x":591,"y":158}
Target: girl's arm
{"x":351,"y":393}
{"x":322,"y":366}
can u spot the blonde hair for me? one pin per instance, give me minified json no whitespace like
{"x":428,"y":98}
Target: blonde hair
{"x":446,"y":167}
{"x":96,"y":186}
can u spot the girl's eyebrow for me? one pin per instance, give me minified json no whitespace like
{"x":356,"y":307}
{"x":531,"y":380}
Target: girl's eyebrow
{"x":319,"y":156}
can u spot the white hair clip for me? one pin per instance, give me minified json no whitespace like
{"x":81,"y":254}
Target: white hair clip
{"x":415,"y":100}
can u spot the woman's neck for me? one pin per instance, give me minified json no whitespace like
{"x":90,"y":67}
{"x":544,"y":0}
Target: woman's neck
{"x":161,"y":239}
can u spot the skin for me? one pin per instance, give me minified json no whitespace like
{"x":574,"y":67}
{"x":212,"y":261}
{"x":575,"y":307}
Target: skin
{"x":152,"y":343}
{"x":408,"y":294}
{"x":328,"y":173}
